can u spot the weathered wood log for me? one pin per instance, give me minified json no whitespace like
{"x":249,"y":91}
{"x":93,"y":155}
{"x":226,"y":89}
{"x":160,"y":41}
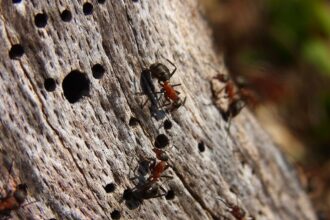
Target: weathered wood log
{"x":66,"y":129}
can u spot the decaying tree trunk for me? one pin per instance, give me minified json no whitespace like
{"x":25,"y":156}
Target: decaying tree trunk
{"x":66,"y":129}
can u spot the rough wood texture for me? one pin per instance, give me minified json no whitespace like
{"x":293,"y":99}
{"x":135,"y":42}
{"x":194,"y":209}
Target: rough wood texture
{"x":66,"y":152}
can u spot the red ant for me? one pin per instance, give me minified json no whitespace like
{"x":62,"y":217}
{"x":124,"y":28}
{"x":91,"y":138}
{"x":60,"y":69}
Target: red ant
{"x":163,"y":74}
{"x":235,"y":210}
{"x":148,"y":190}
{"x":237,"y":97}
{"x":13,"y":200}
{"x":155,"y":168}
{"x":158,"y":168}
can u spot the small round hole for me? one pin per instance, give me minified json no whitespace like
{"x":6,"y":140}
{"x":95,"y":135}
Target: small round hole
{"x":115,"y":214}
{"x":75,"y":86}
{"x":98,"y":71}
{"x":66,"y":15}
{"x":201,"y":147}
{"x":50,"y":84}
{"x":161,"y":141}
{"x":16,"y":51}
{"x":16,"y":1}
{"x":133,"y":121}
{"x":87,"y":8}
{"x":110,"y":187}
{"x":101,"y":1}
{"x":40,"y":20}
{"x":135,"y":0}
{"x":167,"y":124}
{"x":170,"y":195}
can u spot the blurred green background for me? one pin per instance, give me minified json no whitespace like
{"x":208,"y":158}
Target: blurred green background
{"x":282,"y":48}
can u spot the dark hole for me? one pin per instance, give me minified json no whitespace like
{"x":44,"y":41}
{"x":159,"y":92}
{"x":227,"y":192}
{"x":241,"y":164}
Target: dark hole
{"x":98,"y":71}
{"x":225,"y":115}
{"x":135,"y":0}
{"x":128,"y":194}
{"x":50,"y":84}
{"x":66,"y":15}
{"x":40,"y":20}
{"x":133,"y":121}
{"x":52,"y":219}
{"x":115,"y":214}
{"x":101,"y":1}
{"x":87,"y":8}
{"x":201,"y":146}
{"x":170,"y":195}
{"x":233,"y":189}
{"x":16,"y":1}
{"x":167,"y":124}
{"x":110,"y":187}
{"x":75,"y":86}
{"x":16,"y":51}
{"x":161,"y":141}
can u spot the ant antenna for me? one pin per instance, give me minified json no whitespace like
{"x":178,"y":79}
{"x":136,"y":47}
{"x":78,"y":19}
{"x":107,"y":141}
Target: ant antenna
{"x":29,"y":203}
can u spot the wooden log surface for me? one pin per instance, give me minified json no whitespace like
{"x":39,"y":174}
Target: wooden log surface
{"x":66,"y":141}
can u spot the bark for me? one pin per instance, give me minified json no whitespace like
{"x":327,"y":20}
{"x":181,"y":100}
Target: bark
{"x":67,"y":152}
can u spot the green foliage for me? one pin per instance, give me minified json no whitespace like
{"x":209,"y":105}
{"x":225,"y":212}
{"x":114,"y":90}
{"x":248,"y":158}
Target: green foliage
{"x":299,"y":31}
{"x":317,"y":53}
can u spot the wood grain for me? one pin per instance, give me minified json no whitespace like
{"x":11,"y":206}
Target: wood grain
{"x":67,"y":152}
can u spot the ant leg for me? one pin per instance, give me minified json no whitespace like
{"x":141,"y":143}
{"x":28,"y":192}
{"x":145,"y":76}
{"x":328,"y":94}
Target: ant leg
{"x":167,"y":102}
{"x":162,"y":188}
{"x":29,"y":203}
{"x":167,"y":176}
{"x":184,"y":101}
{"x":174,"y":85}
{"x":144,"y":104}
{"x":172,"y":73}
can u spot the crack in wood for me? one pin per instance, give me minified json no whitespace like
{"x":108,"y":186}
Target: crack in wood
{"x":194,"y":194}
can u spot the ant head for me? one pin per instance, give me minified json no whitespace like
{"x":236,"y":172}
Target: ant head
{"x":160,"y":71}
{"x":21,"y":193}
{"x":163,"y":156}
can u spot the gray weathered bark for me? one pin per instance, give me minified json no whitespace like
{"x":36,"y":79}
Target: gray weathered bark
{"x":66,"y":152}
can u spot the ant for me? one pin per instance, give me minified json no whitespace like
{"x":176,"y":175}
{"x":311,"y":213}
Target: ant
{"x":151,"y":166}
{"x":148,"y":190}
{"x":148,"y":89}
{"x":235,"y":210}
{"x":158,"y":168}
{"x":163,"y":74}
{"x":237,"y":97}
{"x":13,"y":200}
